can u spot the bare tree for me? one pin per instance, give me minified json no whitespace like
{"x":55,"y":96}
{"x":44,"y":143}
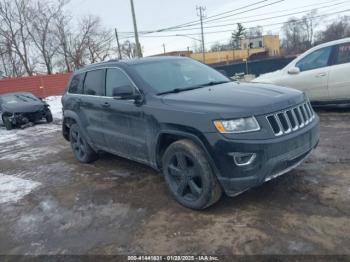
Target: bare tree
{"x":99,"y":40}
{"x":310,"y":23}
{"x":336,"y":30}
{"x":295,"y":39}
{"x":13,"y":31}
{"x":40,"y":26}
{"x":128,"y":49}
{"x":64,"y":36}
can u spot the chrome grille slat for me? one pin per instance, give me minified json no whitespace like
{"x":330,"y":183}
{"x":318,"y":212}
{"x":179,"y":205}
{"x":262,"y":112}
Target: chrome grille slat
{"x":291,"y":119}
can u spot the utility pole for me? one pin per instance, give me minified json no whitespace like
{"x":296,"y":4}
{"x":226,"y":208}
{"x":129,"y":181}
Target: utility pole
{"x":138,"y":46}
{"x":116,"y":36}
{"x":201,"y":10}
{"x":164,"y":48}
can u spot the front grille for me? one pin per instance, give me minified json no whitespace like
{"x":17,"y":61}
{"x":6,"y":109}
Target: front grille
{"x":290,"y":120}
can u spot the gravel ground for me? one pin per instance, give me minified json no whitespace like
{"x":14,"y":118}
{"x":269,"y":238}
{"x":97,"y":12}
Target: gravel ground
{"x":51,"y":204}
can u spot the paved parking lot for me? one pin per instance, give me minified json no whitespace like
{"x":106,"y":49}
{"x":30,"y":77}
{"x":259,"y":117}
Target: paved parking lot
{"x":51,"y":204}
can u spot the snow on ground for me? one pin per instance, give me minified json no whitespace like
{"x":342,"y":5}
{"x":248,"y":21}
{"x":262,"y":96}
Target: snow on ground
{"x":55,"y":106}
{"x":13,"y":189}
{"x":16,"y":144}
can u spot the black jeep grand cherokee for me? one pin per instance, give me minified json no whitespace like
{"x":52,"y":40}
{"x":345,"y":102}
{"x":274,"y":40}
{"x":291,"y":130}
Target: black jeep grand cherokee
{"x":206,"y":133}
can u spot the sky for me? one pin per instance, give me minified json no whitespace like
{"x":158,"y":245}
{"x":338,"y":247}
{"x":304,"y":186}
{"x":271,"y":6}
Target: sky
{"x":157,"y":14}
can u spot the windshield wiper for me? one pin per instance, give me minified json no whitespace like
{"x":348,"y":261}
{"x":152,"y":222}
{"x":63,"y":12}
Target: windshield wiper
{"x":177,"y":90}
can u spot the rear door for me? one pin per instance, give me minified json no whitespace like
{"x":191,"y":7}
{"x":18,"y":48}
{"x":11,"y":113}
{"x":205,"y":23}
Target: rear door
{"x":91,"y":106}
{"x":313,"y":76}
{"x":126,"y":128}
{"x":339,"y":78}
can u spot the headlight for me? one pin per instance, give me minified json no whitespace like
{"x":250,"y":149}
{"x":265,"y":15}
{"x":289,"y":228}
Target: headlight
{"x":240,"y":125}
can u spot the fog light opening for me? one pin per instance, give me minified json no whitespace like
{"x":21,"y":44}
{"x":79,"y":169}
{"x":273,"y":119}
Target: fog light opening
{"x":243,"y":159}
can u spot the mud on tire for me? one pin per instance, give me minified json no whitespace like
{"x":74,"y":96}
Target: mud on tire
{"x":81,"y":149}
{"x":189,"y":175}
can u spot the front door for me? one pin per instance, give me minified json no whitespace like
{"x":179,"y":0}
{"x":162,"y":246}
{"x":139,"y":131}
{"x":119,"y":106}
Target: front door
{"x":313,"y":76}
{"x":339,"y":79}
{"x":125,"y":123}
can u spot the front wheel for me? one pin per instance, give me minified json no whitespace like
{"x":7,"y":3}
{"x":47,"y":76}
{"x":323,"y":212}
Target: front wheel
{"x":7,"y":123}
{"x":48,"y":116}
{"x":189,"y":175}
{"x":82,"y":150}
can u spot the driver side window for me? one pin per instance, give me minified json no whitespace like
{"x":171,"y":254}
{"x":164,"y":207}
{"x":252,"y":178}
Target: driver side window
{"x":115,"y":79}
{"x":317,"y":59}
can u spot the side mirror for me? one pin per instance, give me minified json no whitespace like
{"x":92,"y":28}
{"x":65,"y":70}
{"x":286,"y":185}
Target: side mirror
{"x":293,"y":70}
{"x":125,"y":92}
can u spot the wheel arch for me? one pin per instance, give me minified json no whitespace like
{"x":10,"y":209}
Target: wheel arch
{"x":169,"y":136}
{"x":70,"y":118}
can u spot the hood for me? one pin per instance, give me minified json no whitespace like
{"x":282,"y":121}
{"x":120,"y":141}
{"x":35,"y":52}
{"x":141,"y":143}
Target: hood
{"x":22,"y":107}
{"x":235,"y":99}
{"x":268,"y":78}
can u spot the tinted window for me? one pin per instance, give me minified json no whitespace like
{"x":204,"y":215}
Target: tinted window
{"x":316,"y":59}
{"x":94,"y":83}
{"x":115,"y":78}
{"x":343,"y":54}
{"x":74,"y":87}
{"x":165,"y":75}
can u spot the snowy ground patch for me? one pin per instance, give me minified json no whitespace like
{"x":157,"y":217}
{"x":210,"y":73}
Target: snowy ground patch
{"x":55,"y":106}
{"x":13,"y":189}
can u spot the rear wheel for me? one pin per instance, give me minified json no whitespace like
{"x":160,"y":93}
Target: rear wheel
{"x":7,"y":123}
{"x":48,"y":116}
{"x":190,"y":176}
{"x":82,"y":151}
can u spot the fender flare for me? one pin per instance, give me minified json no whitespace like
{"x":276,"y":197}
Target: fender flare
{"x":74,"y":116}
{"x":187,"y":135}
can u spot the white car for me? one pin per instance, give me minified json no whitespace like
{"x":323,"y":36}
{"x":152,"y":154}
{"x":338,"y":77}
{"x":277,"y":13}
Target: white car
{"x":323,"y":73}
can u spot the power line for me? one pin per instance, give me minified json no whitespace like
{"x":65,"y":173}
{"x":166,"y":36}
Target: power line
{"x":261,"y":19}
{"x":244,"y":22}
{"x":242,"y":12}
{"x":285,"y":10}
{"x":196,"y":22}
{"x":224,"y":31}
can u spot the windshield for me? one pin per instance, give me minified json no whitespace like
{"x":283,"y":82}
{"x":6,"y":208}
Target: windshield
{"x":15,"y":98}
{"x":164,"y":76}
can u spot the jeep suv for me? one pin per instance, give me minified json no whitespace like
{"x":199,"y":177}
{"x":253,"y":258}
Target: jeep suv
{"x":205,"y":133}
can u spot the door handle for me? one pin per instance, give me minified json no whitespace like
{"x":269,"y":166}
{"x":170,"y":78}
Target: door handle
{"x":106,"y":104}
{"x":321,"y":75}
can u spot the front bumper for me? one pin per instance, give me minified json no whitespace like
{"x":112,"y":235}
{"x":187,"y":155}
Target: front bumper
{"x":18,"y":119}
{"x":274,"y":157}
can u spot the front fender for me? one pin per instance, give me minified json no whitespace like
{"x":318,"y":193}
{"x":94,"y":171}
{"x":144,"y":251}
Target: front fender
{"x":196,"y":137}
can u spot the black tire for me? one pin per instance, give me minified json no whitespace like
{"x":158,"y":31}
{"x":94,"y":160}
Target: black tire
{"x":81,"y":149}
{"x":189,"y":175}
{"x":7,"y":123}
{"x":48,"y":116}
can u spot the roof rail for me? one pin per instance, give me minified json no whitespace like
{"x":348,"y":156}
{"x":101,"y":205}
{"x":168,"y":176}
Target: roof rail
{"x":113,"y":60}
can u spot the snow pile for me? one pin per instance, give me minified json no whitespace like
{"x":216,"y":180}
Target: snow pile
{"x":13,"y":189}
{"x":55,"y":106}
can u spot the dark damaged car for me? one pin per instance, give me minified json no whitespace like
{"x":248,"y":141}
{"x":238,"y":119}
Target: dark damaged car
{"x":21,"y":109}
{"x":205,"y":133}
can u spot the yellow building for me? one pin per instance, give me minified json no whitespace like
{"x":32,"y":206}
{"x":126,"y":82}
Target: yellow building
{"x":267,"y":45}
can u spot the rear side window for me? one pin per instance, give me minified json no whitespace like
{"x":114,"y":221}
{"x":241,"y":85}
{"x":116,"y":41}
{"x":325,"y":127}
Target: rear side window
{"x":94,"y":83}
{"x":75,"y":86}
{"x":115,"y":78}
{"x":343,"y":54}
{"x":316,"y":59}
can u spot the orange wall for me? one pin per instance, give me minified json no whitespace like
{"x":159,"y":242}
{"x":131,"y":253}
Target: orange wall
{"x":41,"y":86}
